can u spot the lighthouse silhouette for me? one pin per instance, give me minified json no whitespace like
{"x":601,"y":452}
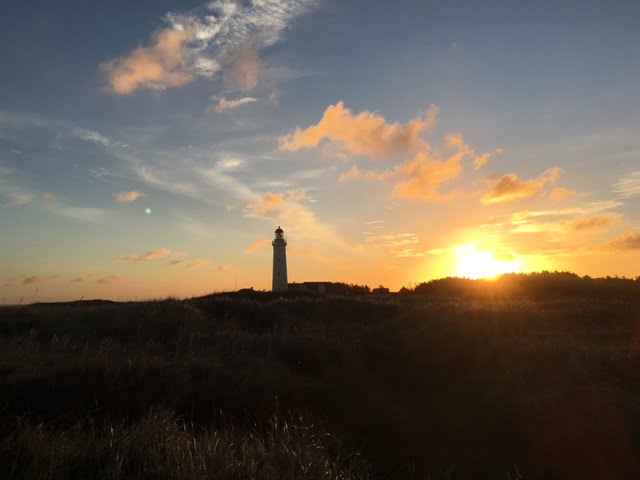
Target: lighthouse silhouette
{"x":279,"y":262}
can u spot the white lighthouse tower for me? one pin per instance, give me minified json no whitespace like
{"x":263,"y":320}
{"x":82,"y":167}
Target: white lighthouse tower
{"x":279,"y":262}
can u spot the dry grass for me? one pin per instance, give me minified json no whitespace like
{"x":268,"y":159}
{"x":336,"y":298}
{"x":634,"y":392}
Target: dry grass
{"x":447,"y":387}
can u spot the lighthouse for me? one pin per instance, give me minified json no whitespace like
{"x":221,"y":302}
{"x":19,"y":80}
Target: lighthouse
{"x":279,"y":262}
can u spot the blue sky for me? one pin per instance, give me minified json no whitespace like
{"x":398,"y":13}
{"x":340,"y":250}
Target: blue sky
{"x":501,"y":130}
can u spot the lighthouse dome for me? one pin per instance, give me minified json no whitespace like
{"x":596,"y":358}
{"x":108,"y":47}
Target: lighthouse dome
{"x":279,"y":230}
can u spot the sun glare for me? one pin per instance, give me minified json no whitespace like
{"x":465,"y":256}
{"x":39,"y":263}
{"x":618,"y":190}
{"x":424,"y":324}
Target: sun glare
{"x":477,"y":264}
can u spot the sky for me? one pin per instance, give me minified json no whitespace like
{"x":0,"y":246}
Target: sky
{"x":151,"y":148}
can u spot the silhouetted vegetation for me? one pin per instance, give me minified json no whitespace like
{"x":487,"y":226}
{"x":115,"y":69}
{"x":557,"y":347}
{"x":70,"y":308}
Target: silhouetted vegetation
{"x":446,"y":380}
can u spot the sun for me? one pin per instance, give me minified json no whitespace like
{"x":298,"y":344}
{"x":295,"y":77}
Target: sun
{"x":477,"y":264}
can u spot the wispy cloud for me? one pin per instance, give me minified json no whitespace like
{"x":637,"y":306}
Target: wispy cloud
{"x":257,"y":245}
{"x":109,"y":279}
{"x":221,"y":35}
{"x":197,"y":264}
{"x":509,"y":187}
{"x":224,"y":104}
{"x":243,"y":66}
{"x":175,"y":262}
{"x":15,"y":196}
{"x":400,"y":245}
{"x":32,"y":279}
{"x":92,"y":136}
{"x":128,"y":197}
{"x":153,"y":254}
{"x":222,"y":269}
{"x":628,"y":186}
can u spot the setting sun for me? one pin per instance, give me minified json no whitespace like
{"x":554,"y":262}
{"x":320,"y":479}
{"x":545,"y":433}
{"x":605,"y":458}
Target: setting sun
{"x":477,"y":264}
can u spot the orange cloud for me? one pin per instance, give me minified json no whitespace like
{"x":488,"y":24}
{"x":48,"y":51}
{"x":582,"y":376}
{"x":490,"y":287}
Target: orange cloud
{"x":509,"y":187}
{"x":257,"y":245}
{"x":601,"y":222}
{"x":481,"y":160}
{"x":222,"y":269}
{"x":627,"y":242}
{"x":175,"y":262}
{"x":243,"y":66}
{"x":198,"y":264}
{"x":225,"y":105}
{"x":156,"y":67}
{"x":270,"y":203}
{"x":162,"y":252}
{"x":127,"y":197}
{"x":33,"y":279}
{"x":366,"y":133}
{"x":560,"y":193}
{"x":421,"y":176}
{"x":109,"y":279}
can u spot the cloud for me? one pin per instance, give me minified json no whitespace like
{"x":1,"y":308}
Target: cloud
{"x":77,"y":280}
{"x":49,"y":197}
{"x":175,"y":262}
{"x":257,"y":245}
{"x":601,"y":222}
{"x":271,"y":202}
{"x":628,"y":186}
{"x":127,"y":197}
{"x":627,"y":242}
{"x":509,"y":187}
{"x":153,"y":254}
{"x":364,"y":134}
{"x":226,"y":105}
{"x":222,"y":269}
{"x":399,"y":244}
{"x":33,"y":279}
{"x":198,"y":264}
{"x":243,"y":66}
{"x":93,"y":137}
{"x":156,"y":67}
{"x":481,"y":160}
{"x":17,"y":201}
{"x":588,"y":209}
{"x":199,"y":43}
{"x":560,"y":193}
{"x":109,"y":279}
{"x":17,"y":196}
{"x":85,"y":214}
{"x":422,"y":176}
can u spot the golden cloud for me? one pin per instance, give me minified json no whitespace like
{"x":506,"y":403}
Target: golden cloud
{"x":127,"y":197}
{"x":366,"y":133}
{"x":509,"y":187}
{"x":257,"y":245}
{"x":156,"y":67}
{"x":627,"y":242}
{"x":269,"y":203}
{"x":162,"y":252}
{"x":421,"y":176}
{"x":481,"y":160}
{"x":601,"y":222}
{"x":560,"y":193}
{"x":198,"y":264}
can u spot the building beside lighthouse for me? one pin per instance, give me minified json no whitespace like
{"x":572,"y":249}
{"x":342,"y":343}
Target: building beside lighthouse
{"x":279,"y":243}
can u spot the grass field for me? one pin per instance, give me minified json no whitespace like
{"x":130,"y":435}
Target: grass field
{"x":267,"y":386}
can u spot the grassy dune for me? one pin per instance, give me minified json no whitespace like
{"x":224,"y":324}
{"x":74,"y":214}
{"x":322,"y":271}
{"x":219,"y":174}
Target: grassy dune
{"x":265,"y":386}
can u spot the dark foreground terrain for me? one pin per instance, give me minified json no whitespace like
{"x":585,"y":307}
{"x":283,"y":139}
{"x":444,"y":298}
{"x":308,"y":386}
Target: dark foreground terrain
{"x":301,"y":386}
